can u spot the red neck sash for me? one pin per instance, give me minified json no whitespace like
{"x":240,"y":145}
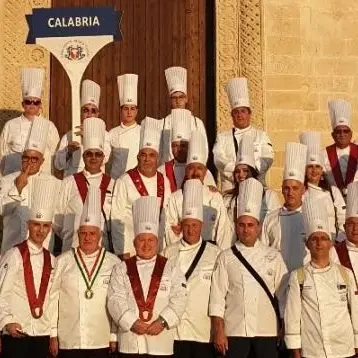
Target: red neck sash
{"x":142,"y":190}
{"x":35,"y":302}
{"x":145,"y":306}
{"x":169,"y":172}
{"x":82,"y":185}
{"x":336,"y":169}
{"x":343,"y":255}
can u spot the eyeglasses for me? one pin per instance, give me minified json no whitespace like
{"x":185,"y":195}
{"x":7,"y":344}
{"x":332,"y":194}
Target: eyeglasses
{"x":89,"y":110}
{"x":27,"y":158}
{"x":35,"y":102}
{"x":89,"y":154}
{"x":342,"y":131}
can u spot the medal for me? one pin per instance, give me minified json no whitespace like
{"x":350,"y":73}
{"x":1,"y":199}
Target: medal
{"x":145,"y":315}
{"x":89,"y":277}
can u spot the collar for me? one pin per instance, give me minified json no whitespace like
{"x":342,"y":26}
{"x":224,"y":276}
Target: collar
{"x":184,"y":246}
{"x":25,"y":119}
{"x":147,"y":178}
{"x":240,"y":131}
{"x":89,"y":175}
{"x":89,"y":256}
{"x":127,"y":127}
{"x":34,"y":249}
{"x":314,"y":269}
{"x":314,"y":187}
{"x":351,"y":246}
{"x":285,"y":212}
{"x":241,"y":247}
{"x":145,"y":261}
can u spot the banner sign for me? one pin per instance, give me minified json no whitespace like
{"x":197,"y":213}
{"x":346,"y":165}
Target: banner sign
{"x":74,"y":36}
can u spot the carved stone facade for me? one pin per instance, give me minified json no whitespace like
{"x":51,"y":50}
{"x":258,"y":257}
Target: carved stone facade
{"x":14,"y":54}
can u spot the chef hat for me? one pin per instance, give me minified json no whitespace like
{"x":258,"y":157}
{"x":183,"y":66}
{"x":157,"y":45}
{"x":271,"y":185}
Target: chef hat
{"x":315,"y":216}
{"x":146,"y":211}
{"x":313,"y":142}
{"x":181,"y":124}
{"x":91,"y":212}
{"x":37,"y":139}
{"x":250,"y":198}
{"x":150,"y":134}
{"x":193,"y":199}
{"x":94,"y":130}
{"x":238,"y":92}
{"x":127,"y":89}
{"x":340,"y":112}
{"x":295,"y":162}
{"x":352,"y":200}
{"x":245,"y":154}
{"x":176,"y":79}
{"x":90,"y":93}
{"x":32,"y":82}
{"x":44,"y":194}
{"x":197,"y":152}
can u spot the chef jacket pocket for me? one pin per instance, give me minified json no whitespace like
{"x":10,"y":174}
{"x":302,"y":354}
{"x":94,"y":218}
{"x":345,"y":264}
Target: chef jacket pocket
{"x":104,"y":280}
{"x":164,"y":287}
{"x":205,"y":276}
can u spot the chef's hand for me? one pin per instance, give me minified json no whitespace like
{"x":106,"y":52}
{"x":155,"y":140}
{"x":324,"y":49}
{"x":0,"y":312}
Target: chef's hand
{"x":139,"y":327}
{"x":155,"y":328}
{"x":54,"y":346}
{"x":14,"y":329}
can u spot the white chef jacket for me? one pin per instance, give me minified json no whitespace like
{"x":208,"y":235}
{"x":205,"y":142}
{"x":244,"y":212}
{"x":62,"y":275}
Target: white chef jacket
{"x":14,"y":304}
{"x":169,"y":304}
{"x":75,"y":163}
{"x":15,"y":210}
{"x":179,"y":173}
{"x":195,"y":323}
{"x":284,"y":231}
{"x":343,"y":156}
{"x":78,"y":322}
{"x":225,"y":156}
{"x":13,"y":139}
{"x":124,"y":195}
{"x":70,"y":206}
{"x":270,"y":202}
{"x":318,"y":319}
{"x":125,"y":148}
{"x":166,"y":149}
{"x":338,"y":205}
{"x":216,"y":228}
{"x":239,"y":299}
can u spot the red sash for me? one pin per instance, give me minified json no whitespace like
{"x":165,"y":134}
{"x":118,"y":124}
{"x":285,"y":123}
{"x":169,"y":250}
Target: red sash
{"x":145,"y":306}
{"x":169,"y":172}
{"x":35,"y":302}
{"x":82,"y":185}
{"x":142,"y":190}
{"x":343,"y":255}
{"x":336,"y":169}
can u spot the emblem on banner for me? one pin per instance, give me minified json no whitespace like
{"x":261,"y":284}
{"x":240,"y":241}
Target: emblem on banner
{"x":74,"y":50}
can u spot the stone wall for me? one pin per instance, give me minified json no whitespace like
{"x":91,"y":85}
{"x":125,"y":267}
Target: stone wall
{"x":14,"y":54}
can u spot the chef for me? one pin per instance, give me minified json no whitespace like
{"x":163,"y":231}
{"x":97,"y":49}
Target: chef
{"x":246,"y":314}
{"x":341,"y":158}
{"x":147,"y":293}
{"x":143,"y":180}
{"x":15,"y":133}
{"x":283,"y":228}
{"x":75,"y":187}
{"x":196,"y":258}
{"x":26,"y":271}
{"x":125,"y":137}
{"x":216,"y":225}
{"x":176,"y":78}
{"x":80,"y":323}
{"x":69,"y":155}
{"x":227,"y":143}
{"x":180,"y":136}
{"x":321,"y":315}
{"x":16,"y":188}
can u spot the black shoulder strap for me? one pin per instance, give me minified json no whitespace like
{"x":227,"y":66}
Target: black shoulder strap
{"x":273,"y":299}
{"x":235,"y":141}
{"x":196,"y":260}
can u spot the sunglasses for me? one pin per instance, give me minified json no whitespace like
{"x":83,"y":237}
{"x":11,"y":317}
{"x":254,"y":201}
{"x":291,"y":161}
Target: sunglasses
{"x":342,"y":131}
{"x":90,"y":154}
{"x":35,"y":102}
{"x":27,"y":158}
{"x":89,"y":110}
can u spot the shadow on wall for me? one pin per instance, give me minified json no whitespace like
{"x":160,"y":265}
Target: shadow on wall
{"x":7,"y":114}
